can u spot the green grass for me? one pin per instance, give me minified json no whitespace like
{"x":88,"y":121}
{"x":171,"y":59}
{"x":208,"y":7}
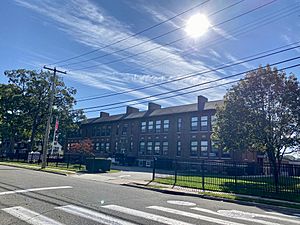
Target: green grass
{"x":260,"y":186}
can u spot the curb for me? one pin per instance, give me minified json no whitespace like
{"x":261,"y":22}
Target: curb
{"x":37,"y":169}
{"x":244,"y":202}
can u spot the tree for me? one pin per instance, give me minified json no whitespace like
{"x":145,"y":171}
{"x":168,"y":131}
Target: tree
{"x":261,"y":113}
{"x":85,"y":146}
{"x":34,"y":90}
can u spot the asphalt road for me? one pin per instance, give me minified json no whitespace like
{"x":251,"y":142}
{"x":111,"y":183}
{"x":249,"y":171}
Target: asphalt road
{"x":32,"y":197}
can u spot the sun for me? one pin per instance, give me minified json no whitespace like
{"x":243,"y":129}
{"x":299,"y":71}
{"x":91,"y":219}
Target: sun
{"x":197,"y":25}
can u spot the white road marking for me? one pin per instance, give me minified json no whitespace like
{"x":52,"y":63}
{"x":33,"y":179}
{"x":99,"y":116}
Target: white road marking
{"x":145,"y":215}
{"x":93,"y":215}
{"x":30,"y":217}
{"x":182,"y":203}
{"x":124,"y":176}
{"x":251,"y":219}
{"x":193,"y":215}
{"x":295,"y":216}
{"x":241,"y":213}
{"x":34,"y":189}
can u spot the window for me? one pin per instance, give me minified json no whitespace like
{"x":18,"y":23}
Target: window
{"x":204,"y":123}
{"x":143,"y":126}
{"x":157,"y":148}
{"x":150,"y":126}
{"x":214,"y":150}
{"x":178,"y":152}
{"x":142,"y":148}
{"x":102,"y":146}
{"x":204,"y":148}
{"x":166,"y":125}
{"x":103,"y":131}
{"x":108,"y":130}
{"x":107,"y":146}
{"x":124,"y":129}
{"x":149,"y":148}
{"x":157,"y":126}
{"x":165,"y":148}
{"x":131,"y":146}
{"x":179,"y":124}
{"x":194,"y":123}
{"x":116,"y":146}
{"x":97,"y":146}
{"x":117,"y":129}
{"x":194,"y":148}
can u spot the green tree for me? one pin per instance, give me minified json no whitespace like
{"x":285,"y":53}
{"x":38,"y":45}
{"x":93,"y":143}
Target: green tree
{"x":261,"y":113}
{"x":34,"y":87}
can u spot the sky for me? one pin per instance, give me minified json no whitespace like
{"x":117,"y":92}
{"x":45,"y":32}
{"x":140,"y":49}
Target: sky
{"x":35,"y":33}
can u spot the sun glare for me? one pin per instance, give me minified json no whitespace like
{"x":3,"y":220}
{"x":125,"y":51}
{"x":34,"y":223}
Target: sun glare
{"x":197,"y":25}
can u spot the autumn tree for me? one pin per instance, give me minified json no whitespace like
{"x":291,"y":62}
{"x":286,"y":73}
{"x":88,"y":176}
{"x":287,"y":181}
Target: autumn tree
{"x":84,"y":146}
{"x":261,"y":113}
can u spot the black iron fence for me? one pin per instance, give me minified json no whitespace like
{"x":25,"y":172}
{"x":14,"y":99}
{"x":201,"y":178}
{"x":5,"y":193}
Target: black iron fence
{"x":68,"y":160}
{"x":240,"y":178}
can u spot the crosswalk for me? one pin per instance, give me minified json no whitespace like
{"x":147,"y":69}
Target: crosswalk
{"x":156,"y":214}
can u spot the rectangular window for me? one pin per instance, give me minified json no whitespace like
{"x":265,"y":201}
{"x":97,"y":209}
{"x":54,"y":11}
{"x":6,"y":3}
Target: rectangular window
{"x":157,"y":148}
{"x":131,"y":146}
{"x":102,"y":146}
{"x":194,"y":148}
{"x":103,"y":129}
{"x":149,"y":148}
{"x":158,"y":126}
{"x":142,"y":148}
{"x":108,"y":130}
{"x":213,"y":120}
{"x":124,"y":129}
{"x":150,"y":126}
{"x":179,"y":124}
{"x":116,"y":146}
{"x":97,"y":146}
{"x":117,"y":129}
{"x":204,"y":148}
{"x":166,"y":125}
{"x":178,"y":152}
{"x":107,"y":147}
{"x":143,"y":126}
{"x":165,"y":148}
{"x":204,"y":123}
{"x":194,"y":123}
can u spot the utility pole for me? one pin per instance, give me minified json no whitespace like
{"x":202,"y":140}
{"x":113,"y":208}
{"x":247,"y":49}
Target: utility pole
{"x":51,"y":100}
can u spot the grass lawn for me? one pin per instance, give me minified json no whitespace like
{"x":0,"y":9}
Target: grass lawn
{"x":260,"y":186}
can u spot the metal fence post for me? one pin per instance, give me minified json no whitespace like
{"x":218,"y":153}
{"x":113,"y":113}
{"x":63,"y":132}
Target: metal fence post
{"x":48,"y":159}
{"x":203,"y":175}
{"x":235,"y":176}
{"x":175,"y":172}
{"x":153,"y":171}
{"x":68,"y":162}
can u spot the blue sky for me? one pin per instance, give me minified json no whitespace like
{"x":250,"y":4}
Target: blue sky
{"x":40,"y":32}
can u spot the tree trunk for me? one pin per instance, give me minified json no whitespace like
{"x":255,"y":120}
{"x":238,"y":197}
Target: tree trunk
{"x":274,"y":168}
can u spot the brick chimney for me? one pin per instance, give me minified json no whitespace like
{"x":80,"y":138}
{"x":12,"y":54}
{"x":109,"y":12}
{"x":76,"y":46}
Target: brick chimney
{"x":104,"y":114}
{"x":130,"y":110}
{"x":201,"y":102}
{"x":152,"y":106}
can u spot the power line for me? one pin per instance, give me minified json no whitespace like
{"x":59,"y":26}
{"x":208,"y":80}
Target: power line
{"x":189,"y":87}
{"x":133,"y":35}
{"x":185,"y":93}
{"x":172,"y":42}
{"x":222,"y":66}
{"x":146,"y":41}
{"x":206,"y":46}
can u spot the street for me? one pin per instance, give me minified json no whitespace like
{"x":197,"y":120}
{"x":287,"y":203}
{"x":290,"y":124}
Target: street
{"x":32,"y":197}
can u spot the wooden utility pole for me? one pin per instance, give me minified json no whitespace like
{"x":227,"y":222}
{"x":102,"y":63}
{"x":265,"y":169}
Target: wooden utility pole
{"x":51,"y":100}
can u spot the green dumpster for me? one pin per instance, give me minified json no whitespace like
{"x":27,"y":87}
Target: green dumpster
{"x":94,"y":165}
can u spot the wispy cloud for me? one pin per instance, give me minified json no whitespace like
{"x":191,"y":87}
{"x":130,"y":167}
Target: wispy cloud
{"x":92,"y":26}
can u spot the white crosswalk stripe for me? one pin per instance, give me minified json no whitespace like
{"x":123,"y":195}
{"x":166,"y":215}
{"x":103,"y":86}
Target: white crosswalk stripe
{"x":240,"y":218}
{"x":241,"y":213}
{"x":145,"y":215}
{"x":193,"y":215}
{"x":30,"y":217}
{"x":93,"y":215}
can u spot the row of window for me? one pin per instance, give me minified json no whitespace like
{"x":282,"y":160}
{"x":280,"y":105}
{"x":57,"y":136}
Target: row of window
{"x":158,"y":126}
{"x":154,"y":148}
